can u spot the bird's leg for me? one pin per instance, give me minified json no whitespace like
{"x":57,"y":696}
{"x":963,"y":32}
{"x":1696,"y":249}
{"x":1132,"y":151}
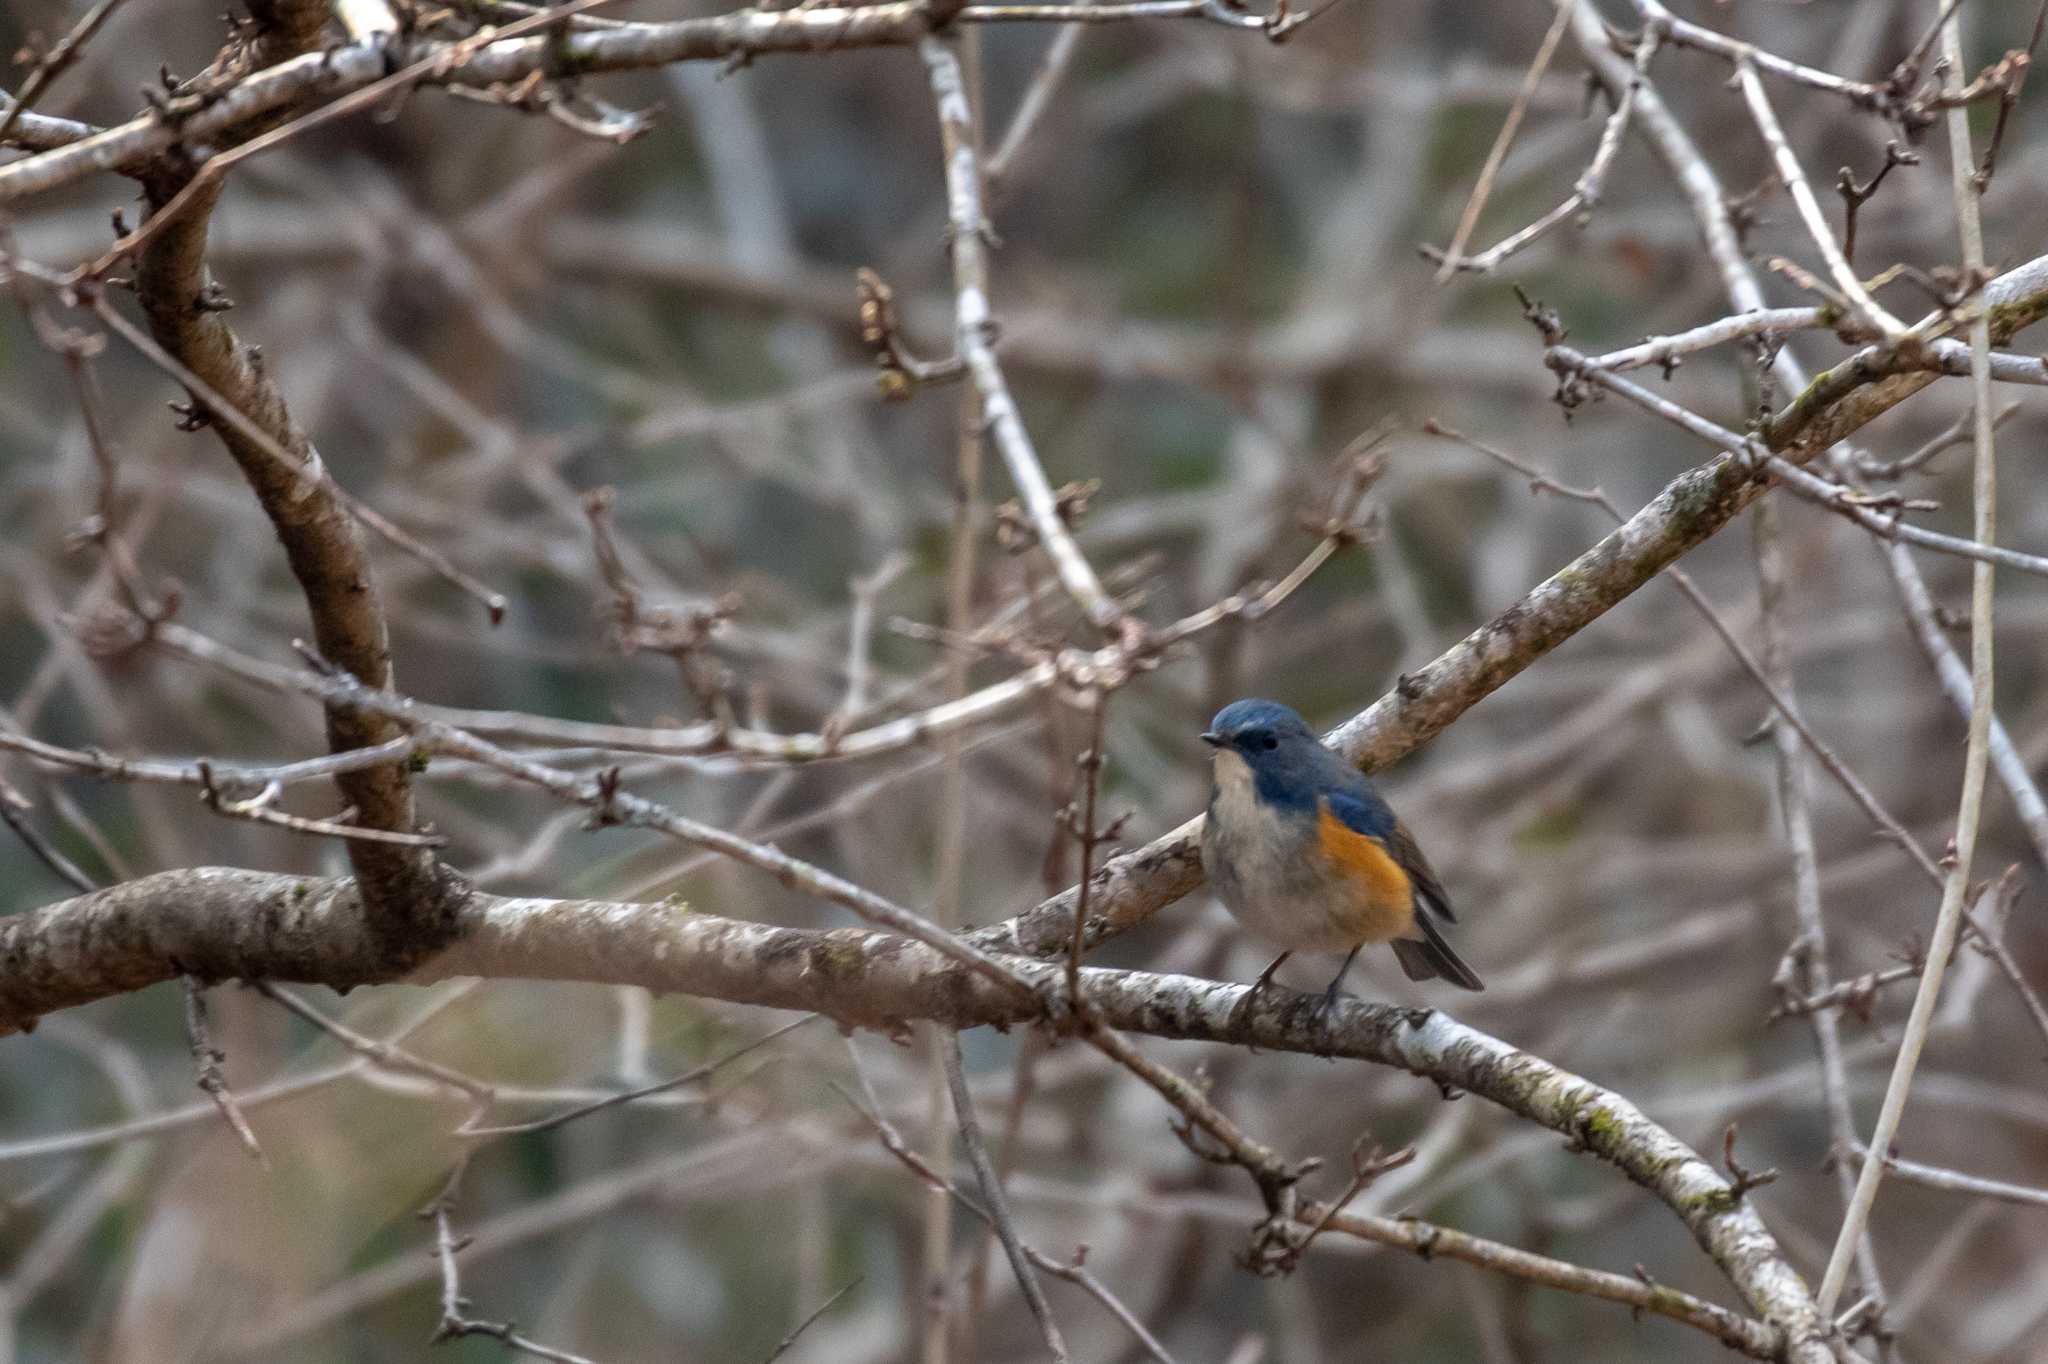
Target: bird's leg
{"x":1330,"y":995}
{"x":1244,"y":1005}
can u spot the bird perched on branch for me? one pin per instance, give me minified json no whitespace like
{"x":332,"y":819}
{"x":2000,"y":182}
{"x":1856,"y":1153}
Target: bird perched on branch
{"x":1304,"y":853}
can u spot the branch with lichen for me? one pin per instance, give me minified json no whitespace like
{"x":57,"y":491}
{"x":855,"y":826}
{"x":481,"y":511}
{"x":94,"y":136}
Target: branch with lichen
{"x":1129,"y":889}
{"x":219,"y":923}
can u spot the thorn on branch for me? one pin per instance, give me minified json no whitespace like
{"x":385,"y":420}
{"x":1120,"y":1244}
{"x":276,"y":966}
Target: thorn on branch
{"x":1742,"y":1178}
{"x":209,"y":1064}
{"x":1854,"y":196}
{"x":1745,"y":210}
{"x":1547,"y":323}
{"x":1276,"y":1248}
{"x":315,"y":660}
{"x":605,"y":813}
{"x":1016,"y":534}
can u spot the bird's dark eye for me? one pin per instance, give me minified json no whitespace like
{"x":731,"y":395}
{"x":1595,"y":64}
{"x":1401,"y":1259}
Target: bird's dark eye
{"x":1268,"y":742}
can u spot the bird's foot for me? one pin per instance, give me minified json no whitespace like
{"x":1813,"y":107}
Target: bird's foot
{"x":1325,"y":1012}
{"x":1241,"y":1013}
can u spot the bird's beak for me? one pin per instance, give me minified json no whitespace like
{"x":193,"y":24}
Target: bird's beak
{"x":1212,"y":738}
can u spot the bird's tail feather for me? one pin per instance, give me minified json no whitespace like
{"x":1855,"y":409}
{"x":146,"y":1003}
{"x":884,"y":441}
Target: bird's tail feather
{"x":1432,"y":957}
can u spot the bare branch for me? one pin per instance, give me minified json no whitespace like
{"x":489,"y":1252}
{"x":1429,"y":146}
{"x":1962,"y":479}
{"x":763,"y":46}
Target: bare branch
{"x":992,"y":1196}
{"x":1949,"y":919}
{"x":1482,"y":187}
{"x":361,"y":69}
{"x":1793,"y":175}
{"x":227,"y":924}
{"x":1641,"y":1293}
{"x":975,"y":332}
{"x":1954,"y":1181}
{"x":53,"y":64}
{"x":209,"y":1066}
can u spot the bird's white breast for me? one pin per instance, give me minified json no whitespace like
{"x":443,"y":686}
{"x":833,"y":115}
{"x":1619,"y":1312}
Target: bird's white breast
{"x":1264,"y":873}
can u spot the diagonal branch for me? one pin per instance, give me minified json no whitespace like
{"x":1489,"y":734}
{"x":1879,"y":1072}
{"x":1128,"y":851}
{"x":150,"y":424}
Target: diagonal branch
{"x":1129,"y":889}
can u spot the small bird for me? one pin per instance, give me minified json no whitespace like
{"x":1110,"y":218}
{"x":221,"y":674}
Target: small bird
{"x":1303,"y":852}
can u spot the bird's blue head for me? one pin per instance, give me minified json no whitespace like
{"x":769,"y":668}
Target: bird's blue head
{"x":1288,"y":763}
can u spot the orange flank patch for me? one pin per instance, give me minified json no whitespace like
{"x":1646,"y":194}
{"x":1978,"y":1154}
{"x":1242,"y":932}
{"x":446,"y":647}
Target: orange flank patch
{"x":1385,"y":904}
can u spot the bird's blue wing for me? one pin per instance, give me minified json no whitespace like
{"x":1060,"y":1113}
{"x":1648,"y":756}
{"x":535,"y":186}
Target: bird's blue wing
{"x":1365,"y":812}
{"x":1362,"y":811}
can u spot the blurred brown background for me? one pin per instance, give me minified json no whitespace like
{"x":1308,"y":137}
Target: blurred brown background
{"x":1208,"y":284}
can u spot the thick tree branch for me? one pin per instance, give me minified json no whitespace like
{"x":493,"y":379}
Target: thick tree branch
{"x":225,"y":115}
{"x":321,"y":540}
{"x":219,"y":923}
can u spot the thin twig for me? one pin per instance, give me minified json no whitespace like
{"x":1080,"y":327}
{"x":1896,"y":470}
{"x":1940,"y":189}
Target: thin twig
{"x":1886,"y":524}
{"x":1959,"y":432}
{"x":1794,"y":177}
{"x":1949,"y":921}
{"x":256,"y":809}
{"x":1954,"y":677}
{"x":860,"y":630}
{"x":1665,"y":351}
{"x":1483,"y":186}
{"x":1082,"y":814}
{"x":46,"y":852}
{"x":688,"y":1077}
{"x":227,"y":777}
{"x":1954,"y":1181}
{"x":1855,"y":196}
{"x":1586,"y":190}
{"x":1862,"y":94}
{"x":1037,"y":98}
{"x":1809,"y":953}
{"x":315,"y":471}
{"x":455,"y":1323}
{"x":385,"y":1053}
{"x":209,"y":1071}
{"x":870,"y":1109}
{"x":53,"y":63}
{"x":963,"y":550}
{"x":997,"y":1206}
{"x":974,"y":332}
{"x":2016,"y":65}
{"x":782,"y":1348}
{"x":1856,"y":995}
